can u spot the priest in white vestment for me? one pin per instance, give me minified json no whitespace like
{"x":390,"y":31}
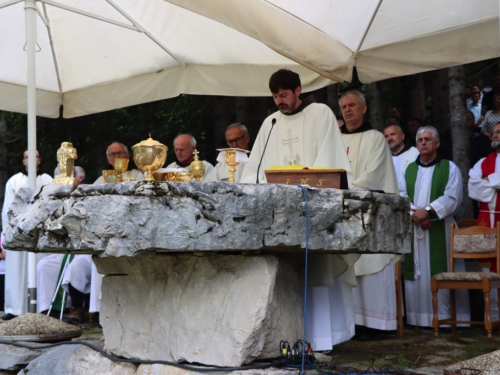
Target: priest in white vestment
{"x":237,"y":136}
{"x":373,"y":169}
{"x":402,"y":153}
{"x":119,"y":150}
{"x":434,"y":186}
{"x":184,"y":147}
{"x":16,"y":262}
{"x":484,"y":183}
{"x":307,"y":133}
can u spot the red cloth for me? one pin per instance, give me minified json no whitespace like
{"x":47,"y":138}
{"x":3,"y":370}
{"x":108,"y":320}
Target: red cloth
{"x":484,"y":217}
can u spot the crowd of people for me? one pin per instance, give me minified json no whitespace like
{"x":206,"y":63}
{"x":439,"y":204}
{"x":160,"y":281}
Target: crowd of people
{"x":347,"y":290}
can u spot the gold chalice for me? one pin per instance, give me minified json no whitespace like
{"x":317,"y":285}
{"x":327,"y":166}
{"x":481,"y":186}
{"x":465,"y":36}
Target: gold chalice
{"x":149,"y":155}
{"x":231,"y":161}
{"x":160,"y":176}
{"x":120,"y":166}
{"x":184,"y":176}
{"x":110,"y":175}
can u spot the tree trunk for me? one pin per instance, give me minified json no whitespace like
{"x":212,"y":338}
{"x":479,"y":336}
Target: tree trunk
{"x":377,"y":117}
{"x":441,"y":99}
{"x":460,"y":138}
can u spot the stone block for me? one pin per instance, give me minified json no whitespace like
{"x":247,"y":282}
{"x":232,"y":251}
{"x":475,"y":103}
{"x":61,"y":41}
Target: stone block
{"x":129,"y":219}
{"x":222,"y":310}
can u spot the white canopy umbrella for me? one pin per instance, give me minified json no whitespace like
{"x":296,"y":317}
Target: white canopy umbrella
{"x":97,"y":55}
{"x":381,"y":38}
{"x":94,"y":56}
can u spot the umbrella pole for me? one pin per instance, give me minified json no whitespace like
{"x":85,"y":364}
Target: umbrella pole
{"x":30,"y":12}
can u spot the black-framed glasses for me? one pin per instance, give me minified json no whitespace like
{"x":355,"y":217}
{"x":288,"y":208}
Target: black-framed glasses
{"x":236,"y":140}
{"x":26,"y":157}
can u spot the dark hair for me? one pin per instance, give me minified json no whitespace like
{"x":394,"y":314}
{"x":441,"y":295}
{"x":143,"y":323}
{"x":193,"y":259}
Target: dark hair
{"x":284,"y":79}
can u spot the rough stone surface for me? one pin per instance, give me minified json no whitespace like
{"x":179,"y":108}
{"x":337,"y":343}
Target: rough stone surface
{"x":13,"y":358}
{"x":223,"y":310}
{"x":78,"y":360}
{"x":173,"y":216}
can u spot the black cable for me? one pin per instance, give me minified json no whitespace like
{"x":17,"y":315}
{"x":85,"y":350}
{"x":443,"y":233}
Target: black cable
{"x":144,"y":361}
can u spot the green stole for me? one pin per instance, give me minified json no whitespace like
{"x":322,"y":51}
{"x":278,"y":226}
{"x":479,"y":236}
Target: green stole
{"x":60,"y":300}
{"x":437,"y":233}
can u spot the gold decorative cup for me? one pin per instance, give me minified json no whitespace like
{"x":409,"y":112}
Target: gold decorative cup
{"x":149,"y":155}
{"x":110,"y":176}
{"x":231,"y":161}
{"x":160,"y":176}
{"x":184,"y":176}
{"x":120,"y":166}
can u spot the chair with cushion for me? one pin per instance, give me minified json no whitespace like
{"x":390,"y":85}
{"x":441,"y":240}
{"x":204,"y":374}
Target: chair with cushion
{"x":476,"y":242}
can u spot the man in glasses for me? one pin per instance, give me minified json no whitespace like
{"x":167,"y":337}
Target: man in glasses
{"x":484,"y":183}
{"x":119,"y":150}
{"x":236,"y":137}
{"x":16,"y":262}
{"x":184,"y":146}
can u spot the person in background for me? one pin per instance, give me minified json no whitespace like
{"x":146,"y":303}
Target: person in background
{"x":16,"y":262}
{"x":434,"y":186}
{"x":236,"y":137}
{"x":184,"y":147}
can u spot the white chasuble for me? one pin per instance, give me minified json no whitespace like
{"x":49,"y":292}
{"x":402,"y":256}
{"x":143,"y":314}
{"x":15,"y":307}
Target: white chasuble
{"x":373,"y":169}
{"x":310,"y":137}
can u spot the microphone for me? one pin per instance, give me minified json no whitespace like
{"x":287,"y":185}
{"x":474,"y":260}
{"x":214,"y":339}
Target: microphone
{"x":273,"y":121}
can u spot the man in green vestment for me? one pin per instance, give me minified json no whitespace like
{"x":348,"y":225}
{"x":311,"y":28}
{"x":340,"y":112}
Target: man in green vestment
{"x":434,"y":186}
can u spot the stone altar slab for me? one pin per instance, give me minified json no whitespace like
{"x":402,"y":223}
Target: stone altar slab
{"x":202,"y":272}
{"x":129,"y":219}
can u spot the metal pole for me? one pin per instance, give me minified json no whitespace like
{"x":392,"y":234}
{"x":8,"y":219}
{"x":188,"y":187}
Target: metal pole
{"x":30,"y":8}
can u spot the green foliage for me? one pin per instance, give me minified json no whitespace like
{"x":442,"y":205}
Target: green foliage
{"x":92,"y":134}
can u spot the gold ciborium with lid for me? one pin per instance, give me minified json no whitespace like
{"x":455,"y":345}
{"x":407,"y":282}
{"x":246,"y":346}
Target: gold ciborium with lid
{"x":197,"y":168}
{"x":149,"y":155}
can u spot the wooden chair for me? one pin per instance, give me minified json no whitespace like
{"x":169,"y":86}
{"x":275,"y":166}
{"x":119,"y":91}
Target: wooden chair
{"x":399,"y":299}
{"x":465,"y":223}
{"x":476,"y":242}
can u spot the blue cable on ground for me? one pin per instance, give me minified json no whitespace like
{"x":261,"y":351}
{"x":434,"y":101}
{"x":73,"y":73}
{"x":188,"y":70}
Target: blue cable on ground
{"x":305,"y":279}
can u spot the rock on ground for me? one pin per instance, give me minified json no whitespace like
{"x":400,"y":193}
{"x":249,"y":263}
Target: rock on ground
{"x":76,"y":360}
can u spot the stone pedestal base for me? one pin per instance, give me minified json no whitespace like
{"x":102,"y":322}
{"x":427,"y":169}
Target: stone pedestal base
{"x":223,"y":310}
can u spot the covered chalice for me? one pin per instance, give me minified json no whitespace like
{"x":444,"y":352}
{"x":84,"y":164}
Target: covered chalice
{"x":149,"y":155}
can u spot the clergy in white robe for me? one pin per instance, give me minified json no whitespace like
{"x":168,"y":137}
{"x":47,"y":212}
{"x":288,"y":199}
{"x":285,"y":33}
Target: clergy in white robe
{"x":307,"y":133}
{"x":237,"y":136}
{"x":484,"y":183}
{"x":434,"y":186}
{"x":184,"y":148}
{"x":374,"y":297}
{"x":16,"y":262}
{"x":402,"y":154}
{"x":309,"y":136}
